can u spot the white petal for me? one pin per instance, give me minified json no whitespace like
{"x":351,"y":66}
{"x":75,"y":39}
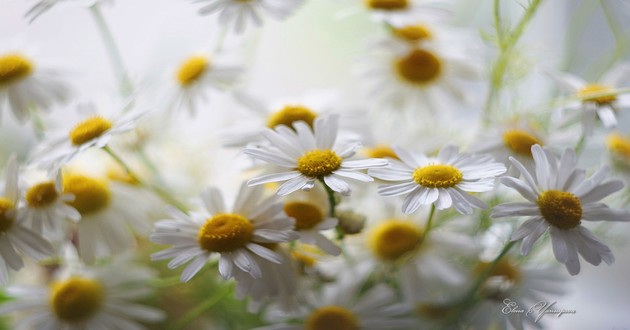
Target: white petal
{"x":213,"y":200}
{"x":397,"y":189}
{"x":365,"y":163}
{"x":519,"y":186}
{"x":264,"y":253}
{"x":292,"y":185}
{"x":389,"y":174}
{"x":337,"y":184}
{"x":274,"y":177}
{"x":354,"y":175}
{"x":515,"y":210}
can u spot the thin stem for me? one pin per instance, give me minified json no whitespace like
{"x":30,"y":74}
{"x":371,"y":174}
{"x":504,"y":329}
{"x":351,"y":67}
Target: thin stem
{"x":203,"y":307}
{"x":333,"y":206}
{"x":113,"y":52}
{"x":429,"y":223}
{"x":164,"y":195}
{"x":579,"y":146}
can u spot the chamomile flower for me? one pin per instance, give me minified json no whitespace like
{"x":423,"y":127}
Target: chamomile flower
{"x":237,"y":236}
{"x":310,"y":154}
{"x":42,"y":6}
{"x":87,"y":299}
{"x":26,"y":84}
{"x":442,"y":181}
{"x":92,"y":131}
{"x":400,"y":11}
{"x":618,"y":147}
{"x":558,"y":199}
{"x":14,"y":236}
{"x":238,"y":14}
{"x":188,"y":85}
{"x":597,"y":99}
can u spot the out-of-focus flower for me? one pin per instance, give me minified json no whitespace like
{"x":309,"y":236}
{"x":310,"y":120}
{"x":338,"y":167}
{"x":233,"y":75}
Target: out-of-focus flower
{"x":25,"y":85}
{"x":236,"y":236}
{"x":401,"y":11}
{"x":237,"y":14}
{"x":559,"y":199}
{"x":443,"y":180}
{"x":311,"y":154}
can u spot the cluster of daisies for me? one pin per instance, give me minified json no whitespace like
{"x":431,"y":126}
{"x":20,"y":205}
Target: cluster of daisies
{"x":341,"y":214}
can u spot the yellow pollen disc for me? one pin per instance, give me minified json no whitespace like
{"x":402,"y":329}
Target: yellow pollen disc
{"x":587,"y":92}
{"x":90,"y":195}
{"x":290,"y":114}
{"x":503,"y":268}
{"x":225,"y":232}
{"x":381,"y":151}
{"x":434,"y":311}
{"x":413,"y":33}
{"x":14,"y":67}
{"x":387,"y":4}
{"x":304,"y":259}
{"x":306,"y":215}
{"x":120,"y":175}
{"x":192,"y":69}
{"x":331,"y":317}
{"x":76,"y":299}
{"x":560,"y":208}
{"x":520,"y":141}
{"x":437,"y":176}
{"x":392,"y":239}
{"x":419,"y":67}
{"x":7,"y":217}
{"x":42,"y":194}
{"x":619,"y":145}
{"x":89,"y":129}
{"x":318,"y":163}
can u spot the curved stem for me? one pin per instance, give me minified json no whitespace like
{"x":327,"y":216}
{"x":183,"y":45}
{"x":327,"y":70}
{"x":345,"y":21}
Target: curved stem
{"x":203,"y":307}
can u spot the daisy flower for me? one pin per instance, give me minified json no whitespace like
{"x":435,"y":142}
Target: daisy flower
{"x":310,"y":154}
{"x":558,"y":199}
{"x":618,"y":147}
{"x":24,"y":85}
{"x":93,"y":298}
{"x":399,"y":11}
{"x":592,"y":103}
{"x":237,"y":236}
{"x":92,"y":131}
{"x":42,"y":6}
{"x":14,"y":236}
{"x":237,"y":14}
{"x":442,"y":181}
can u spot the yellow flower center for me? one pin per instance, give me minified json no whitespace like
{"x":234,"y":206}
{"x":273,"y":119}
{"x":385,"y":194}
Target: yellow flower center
{"x":90,"y":195}
{"x":76,"y":299}
{"x":290,"y":114}
{"x":520,"y":142}
{"x":304,"y":259}
{"x":89,"y":129}
{"x":437,"y":176}
{"x":306,"y":215}
{"x":7,"y":216}
{"x":387,"y":4}
{"x":619,"y":145}
{"x":503,"y":268}
{"x":42,"y":194}
{"x":318,"y":163}
{"x":225,"y":232}
{"x":435,"y":311}
{"x":587,"y":94}
{"x":192,"y":69}
{"x":393,"y":239}
{"x":560,"y":208}
{"x":413,"y":33}
{"x":120,"y":175}
{"x":381,"y":151}
{"x":332,"y":317}
{"x":14,"y":67}
{"x":419,"y":67}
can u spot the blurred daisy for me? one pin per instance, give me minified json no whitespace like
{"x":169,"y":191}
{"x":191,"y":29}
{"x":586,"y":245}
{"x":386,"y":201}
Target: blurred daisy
{"x":188,"y":86}
{"x":236,"y":236}
{"x":442,"y":181}
{"x":93,"y":131}
{"x":14,"y":236}
{"x":558,"y":199}
{"x":42,"y":6}
{"x":25,"y":85}
{"x":99,"y":298}
{"x":399,"y":11}
{"x":237,"y":14}
{"x":310,"y":154}
{"x":618,"y":147}
{"x":597,"y":100}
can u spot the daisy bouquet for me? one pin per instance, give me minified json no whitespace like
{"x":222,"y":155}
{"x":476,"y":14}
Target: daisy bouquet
{"x":296,"y":164}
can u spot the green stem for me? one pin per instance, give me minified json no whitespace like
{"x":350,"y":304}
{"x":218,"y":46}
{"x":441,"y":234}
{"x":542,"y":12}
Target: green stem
{"x":333,"y":206}
{"x":126,"y":87}
{"x":579,"y":146}
{"x":164,"y":195}
{"x":203,"y":307}
{"x":429,"y":223}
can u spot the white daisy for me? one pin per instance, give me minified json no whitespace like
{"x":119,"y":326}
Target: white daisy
{"x":618,"y":147}
{"x":558,"y":199}
{"x":43,"y":6}
{"x":25,"y":85}
{"x":89,"y":299}
{"x":237,"y":14}
{"x":310,"y":155}
{"x":14,"y":236}
{"x":236,"y":236}
{"x":442,"y":181}
{"x":399,"y":11}
{"x":593,"y":104}
{"x":93,"y":131}
{"x":188,"y":85}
